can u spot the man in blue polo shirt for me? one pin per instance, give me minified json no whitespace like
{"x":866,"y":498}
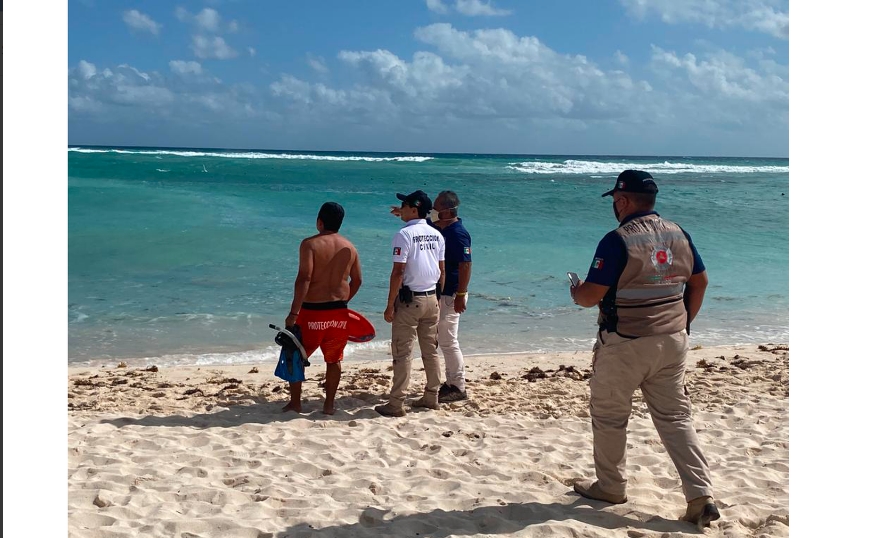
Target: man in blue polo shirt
{"x":454,"y":295}
{"x":649,"y":282}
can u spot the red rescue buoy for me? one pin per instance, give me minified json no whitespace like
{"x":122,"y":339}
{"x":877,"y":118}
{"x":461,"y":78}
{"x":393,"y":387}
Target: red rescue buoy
{"x":359,"y":328}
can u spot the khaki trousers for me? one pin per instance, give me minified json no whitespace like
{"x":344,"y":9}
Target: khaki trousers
{"x":656,"y":364}
{"x":419,"y":320}
{"x":448,"y":328}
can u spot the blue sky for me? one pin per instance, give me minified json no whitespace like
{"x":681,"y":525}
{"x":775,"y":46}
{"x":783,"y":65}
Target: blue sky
{"x":629,"y":77}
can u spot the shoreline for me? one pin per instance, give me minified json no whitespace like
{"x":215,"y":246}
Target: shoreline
{"x":206,"y":451}
{"x":270,"y":354}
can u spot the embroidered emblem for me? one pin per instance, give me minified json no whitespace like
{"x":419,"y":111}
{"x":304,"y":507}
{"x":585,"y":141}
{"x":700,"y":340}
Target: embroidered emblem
{"x":598,"y":263}
{"x":661,"y":258}
{"x":467,"y":251}
{"x":397,"y":251}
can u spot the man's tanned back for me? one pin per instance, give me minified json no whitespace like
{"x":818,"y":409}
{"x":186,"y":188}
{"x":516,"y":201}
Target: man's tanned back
{"x":333,"y":259}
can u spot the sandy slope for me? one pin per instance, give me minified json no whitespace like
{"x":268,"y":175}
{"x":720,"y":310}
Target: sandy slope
{"x":205,"y":452}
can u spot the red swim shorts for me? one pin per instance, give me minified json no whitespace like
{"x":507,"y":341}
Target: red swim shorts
{"x":324,"y":328}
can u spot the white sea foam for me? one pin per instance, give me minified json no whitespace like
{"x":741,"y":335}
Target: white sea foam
{"x":355,"y":352}
{"x":255,"y":155}
{"x":665,"y":167}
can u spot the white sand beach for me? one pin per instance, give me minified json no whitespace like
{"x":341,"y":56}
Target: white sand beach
{"x":205,"y":451}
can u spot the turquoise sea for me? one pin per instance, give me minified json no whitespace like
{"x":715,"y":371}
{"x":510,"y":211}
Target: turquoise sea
{"x":183,"y":256}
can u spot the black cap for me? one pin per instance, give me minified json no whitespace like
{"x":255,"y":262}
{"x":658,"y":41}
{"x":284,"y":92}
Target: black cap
{"x":416,"y":199}
{"x":634,"y":181}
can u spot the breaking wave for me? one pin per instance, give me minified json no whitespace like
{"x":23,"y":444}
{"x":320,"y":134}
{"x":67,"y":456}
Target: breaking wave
{"x":665,"y":167}
{"x":254,"y":155}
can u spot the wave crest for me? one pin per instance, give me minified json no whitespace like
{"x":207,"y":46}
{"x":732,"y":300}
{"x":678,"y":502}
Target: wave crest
{"x":665,"y":167}
{"x":255,"y":155}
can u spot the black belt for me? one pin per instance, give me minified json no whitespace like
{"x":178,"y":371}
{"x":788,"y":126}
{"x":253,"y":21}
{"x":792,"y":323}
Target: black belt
{"x":330,"y":305}
{"x":424,"y":293}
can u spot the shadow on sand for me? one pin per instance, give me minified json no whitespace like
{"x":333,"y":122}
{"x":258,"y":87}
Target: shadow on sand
{"x":259,"y":413}
{"x":502,"y":520}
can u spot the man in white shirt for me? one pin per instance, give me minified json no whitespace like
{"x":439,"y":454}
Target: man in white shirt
{"x":418,"y":254}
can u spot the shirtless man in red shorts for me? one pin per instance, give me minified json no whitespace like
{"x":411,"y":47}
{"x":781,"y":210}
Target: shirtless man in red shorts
{"x":328,"y":277}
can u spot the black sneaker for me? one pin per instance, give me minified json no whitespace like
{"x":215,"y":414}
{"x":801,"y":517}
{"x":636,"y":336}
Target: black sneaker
{"x":452,"y":395}
{"x":444,"y":389}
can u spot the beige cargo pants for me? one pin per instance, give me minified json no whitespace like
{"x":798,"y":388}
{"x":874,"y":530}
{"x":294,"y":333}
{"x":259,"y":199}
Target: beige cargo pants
{"x":656,"y":364}
{"x":418,"y":319}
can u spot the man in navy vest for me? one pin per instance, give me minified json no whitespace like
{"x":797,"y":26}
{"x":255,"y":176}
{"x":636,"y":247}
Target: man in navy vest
{"x":649,"y":282}
{"x":452,"y":302}
{"x":455,"y":292}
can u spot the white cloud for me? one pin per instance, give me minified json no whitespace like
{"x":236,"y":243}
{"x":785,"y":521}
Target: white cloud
{"x":208,"y":20}
{"x":465,"y":86}
{"x":474,"y":8}
{"x":182,"y":14}
{"x":318,"y":65}
{"x":724,"y":75}
{"x":90,"y":91}
{"x":143,"y":75}
{"x":182,"y":67}
{"x":437,"y":6}
{"x":126,"y":95}
{"x":140,"y":22}
{"x":499,"y":45}
{"x":86,"y":69}
{"x":292,"y":87}
{"x":252,"y":51}
{"x":470,"y":8}
{"x":212,"y":47}
{"x":84,"y":104}
{"x":519,"y":83}
{"x":766,"y":16}
{"x":153,"y":96}
{"x":495,"y":74}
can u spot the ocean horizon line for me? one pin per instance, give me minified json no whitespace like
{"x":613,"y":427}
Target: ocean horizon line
{"x":422,"y":153}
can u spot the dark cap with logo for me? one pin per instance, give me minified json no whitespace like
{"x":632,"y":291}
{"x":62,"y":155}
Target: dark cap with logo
{"x":634,"y":181}
{"x":416,"y":199}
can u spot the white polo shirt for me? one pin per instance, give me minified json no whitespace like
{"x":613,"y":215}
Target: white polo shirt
{"x":420,"y":247}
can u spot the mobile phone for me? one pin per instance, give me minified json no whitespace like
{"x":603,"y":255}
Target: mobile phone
{"x":574,"y":278}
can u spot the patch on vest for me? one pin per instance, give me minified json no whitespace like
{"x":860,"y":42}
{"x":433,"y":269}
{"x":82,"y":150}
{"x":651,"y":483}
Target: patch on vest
{"x":661,"y":258}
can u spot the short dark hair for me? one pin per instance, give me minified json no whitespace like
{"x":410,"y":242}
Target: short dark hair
{"x":643,"y":200}
{"x":422,"y":210}
{"x":331,"y":215}
{"x":449,"y":201}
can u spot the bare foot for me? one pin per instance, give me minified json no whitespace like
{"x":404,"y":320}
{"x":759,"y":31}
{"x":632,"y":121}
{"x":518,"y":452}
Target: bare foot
{"x":292,"y":406}
{"x":329,"y":409}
